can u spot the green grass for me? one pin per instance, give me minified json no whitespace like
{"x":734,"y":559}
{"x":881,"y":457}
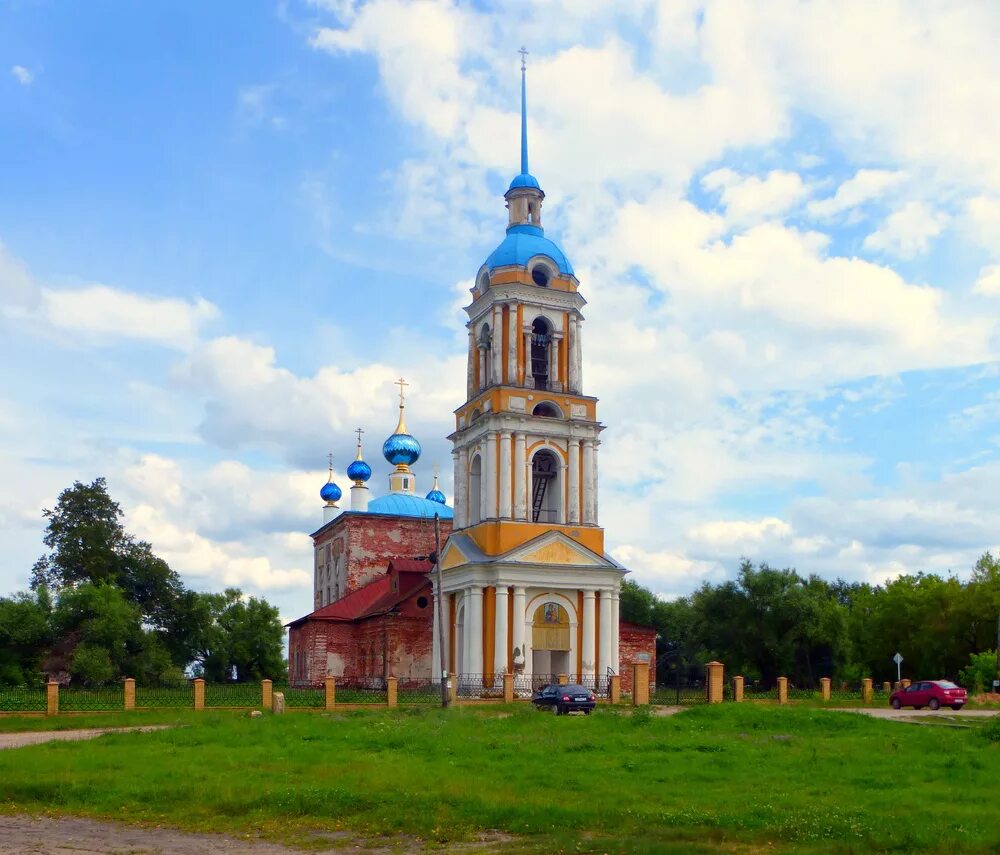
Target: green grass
{"x":20,"y":724}
{"x":721,"y":778}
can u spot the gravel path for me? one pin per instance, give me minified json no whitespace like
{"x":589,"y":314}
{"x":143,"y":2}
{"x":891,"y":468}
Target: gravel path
{"x":36,"y":737}
{"x":903,"y":715}
{"x":27,"y":835}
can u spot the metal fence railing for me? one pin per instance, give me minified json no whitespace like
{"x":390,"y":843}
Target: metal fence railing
{"x":239,"y":695}
{"x":361,"y":690}
{"x":600,"y":686}
{"x":92,"y":698}
{"x":672,"y":694}
{"x":302,"y":697}
{"x":418,"y":691}
{"x":480,"y":685}
{"x":164,"y":696}
{"x":23,"y":699}
{"x":759,"y":692}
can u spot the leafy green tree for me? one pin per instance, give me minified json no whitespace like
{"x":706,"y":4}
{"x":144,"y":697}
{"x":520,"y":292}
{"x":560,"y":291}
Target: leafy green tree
{"x":240,"y":637}
{"x":24,"y":636}
{"x":979,"y":674}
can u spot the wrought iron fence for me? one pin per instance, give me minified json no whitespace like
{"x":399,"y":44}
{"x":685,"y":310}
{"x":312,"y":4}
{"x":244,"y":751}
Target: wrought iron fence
{"x":110,"y":696}
{"x":222,"y":695}
{"x":302,"y":697}
{"x":23,"y":699}
{"x":674,"y":694}
{"x":164,"y":695}
{"x":418,"y":691}
{"x":795,"y":694}
{"x":480,"y":685}
{"x":847,"y":693}
{"x":361,"y":690}
{"x":759,"y":692}
{"x":600,"y":686}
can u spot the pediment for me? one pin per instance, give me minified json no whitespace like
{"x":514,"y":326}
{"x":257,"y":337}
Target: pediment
{"x":452,"y":556}
{"x":555,"y":548}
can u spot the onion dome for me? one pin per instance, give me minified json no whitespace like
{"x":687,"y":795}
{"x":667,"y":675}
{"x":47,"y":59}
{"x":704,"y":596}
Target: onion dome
{"x":359,"y":471}
{"x":435,"y":495}
{"x":330,"y":492}
{"x":401,"y":449}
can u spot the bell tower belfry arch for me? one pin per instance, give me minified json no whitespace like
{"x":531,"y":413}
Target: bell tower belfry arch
{"x":525,"y":452}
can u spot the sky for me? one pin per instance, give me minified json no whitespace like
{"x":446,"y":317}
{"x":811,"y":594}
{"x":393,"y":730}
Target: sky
{"x":226,"y":228}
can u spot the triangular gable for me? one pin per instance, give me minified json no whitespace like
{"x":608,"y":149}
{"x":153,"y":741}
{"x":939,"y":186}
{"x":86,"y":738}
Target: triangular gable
{"x":555,"y":548}
{"x":452,"y":556}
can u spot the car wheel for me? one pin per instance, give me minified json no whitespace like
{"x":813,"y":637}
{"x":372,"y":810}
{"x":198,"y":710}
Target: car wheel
{"x":956,"y":707}
{"x":555,"y":709}
{"x":934,"y":704}
{"x":896,"y":704}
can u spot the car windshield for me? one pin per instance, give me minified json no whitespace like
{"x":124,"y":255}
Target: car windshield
{"x":946,"y":684}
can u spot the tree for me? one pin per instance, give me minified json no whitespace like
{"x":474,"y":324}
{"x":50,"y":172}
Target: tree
{"x":88,"y":543}
{"x":239,"y":637}
{"x":24,"y":635}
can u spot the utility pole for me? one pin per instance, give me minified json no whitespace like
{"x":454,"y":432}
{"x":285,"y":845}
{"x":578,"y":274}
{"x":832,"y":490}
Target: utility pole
{"x":440,"y":611}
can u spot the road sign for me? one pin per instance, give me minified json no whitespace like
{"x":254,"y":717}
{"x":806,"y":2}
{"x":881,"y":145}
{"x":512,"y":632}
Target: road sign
{"x":898,"y":659}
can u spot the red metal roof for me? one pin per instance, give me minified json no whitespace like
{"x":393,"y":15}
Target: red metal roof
{"x":378,"y":596}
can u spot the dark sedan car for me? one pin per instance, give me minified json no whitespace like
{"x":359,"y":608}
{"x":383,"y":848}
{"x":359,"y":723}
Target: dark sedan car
{"x":564,"y":699}
{"x":930,"y":693}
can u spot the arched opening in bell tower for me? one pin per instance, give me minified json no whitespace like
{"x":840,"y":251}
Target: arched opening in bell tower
{"x":541,"y":339}
{"x":545,"y":487}
{"x":550,"y":640}
{"x":475,"y":490}
{"x":485,"y":356}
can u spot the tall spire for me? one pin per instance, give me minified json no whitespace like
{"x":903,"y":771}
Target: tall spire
{"x":524,"y":113}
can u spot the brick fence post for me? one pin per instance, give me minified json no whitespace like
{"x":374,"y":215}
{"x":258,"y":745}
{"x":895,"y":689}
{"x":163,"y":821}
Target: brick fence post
{"x":52,"y":698}
{"x":887,"y":687}
{"x":640,"y":684}
{"x":738,"y":689}
{"x":904,"y":684}
{"x":714,"y":673}
{"x":266,"y":693}
{"x":563,"y":680}
{"x":390,"y":691}
{"x":452,"y":689}
{"x":331,"y":692}
{"x":782,"y":690}
{"x":824,"y":688}
{"x":508,"y":688}
{"x":199,"y":693}
{"x":130,"y":693}
{"x":615,"y":688}
{"x":866,"y":690}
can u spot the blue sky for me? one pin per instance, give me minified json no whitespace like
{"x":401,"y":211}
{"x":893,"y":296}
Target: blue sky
{"x":226,"y":228}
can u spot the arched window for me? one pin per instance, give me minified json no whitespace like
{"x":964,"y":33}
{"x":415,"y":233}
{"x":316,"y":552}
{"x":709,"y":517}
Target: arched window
{"x":545,"y":487}
{"x":547,"y":410}
{"x":541,"y":338}
{"x":540,"y":276}
{"x":476,"y":490}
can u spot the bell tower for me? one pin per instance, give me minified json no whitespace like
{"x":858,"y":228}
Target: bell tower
{"x":526,"y":439}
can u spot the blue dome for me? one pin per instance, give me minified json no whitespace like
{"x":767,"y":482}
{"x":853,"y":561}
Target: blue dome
{"x":523,"y":243}
{"x":401,"y":448}
{"x":359,"y":471}
{"x":406,"y":505}
{"x":436,"y":496}
{"x":330,"y":492}
{"x":524,"y":180}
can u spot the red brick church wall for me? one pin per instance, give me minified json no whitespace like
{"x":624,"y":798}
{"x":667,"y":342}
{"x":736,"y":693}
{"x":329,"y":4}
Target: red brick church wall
{"x":633,"y":642}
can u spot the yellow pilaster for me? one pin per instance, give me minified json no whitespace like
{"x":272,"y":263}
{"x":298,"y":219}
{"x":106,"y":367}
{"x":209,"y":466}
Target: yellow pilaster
{"x":824,"y":688}
{"x":129,"y":693}
{"x":714,"y":674}
{"x":866,"y":690}
{"x":390,"y":691}
{"x":52,"y":698}
{"x":266,"y":694}
{"x":738,"y":689}
{"x":199,"y":693}
{"x":331,"y":692}
{"x":782,"y":690}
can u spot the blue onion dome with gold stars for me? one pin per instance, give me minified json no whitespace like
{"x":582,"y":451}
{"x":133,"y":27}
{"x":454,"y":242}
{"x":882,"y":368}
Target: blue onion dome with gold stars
{"x":330,"y":492}
{"x":359,"y":471}
{"x":401,"y":449}
{"x":435,"y":495}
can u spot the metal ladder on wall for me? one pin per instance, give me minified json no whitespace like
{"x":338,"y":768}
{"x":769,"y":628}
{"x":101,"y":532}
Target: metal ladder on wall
{"x":538,"y":496}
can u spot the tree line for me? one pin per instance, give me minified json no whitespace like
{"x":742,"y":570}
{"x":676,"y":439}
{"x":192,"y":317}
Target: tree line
{"x":772,"y":622}
{"x":102,"y":607}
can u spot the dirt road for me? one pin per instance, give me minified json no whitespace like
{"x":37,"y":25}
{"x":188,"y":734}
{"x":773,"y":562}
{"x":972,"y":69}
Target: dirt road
{"x":36,"y":737}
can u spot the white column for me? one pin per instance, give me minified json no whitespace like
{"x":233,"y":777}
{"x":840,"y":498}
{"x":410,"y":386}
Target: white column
{"x":588,"y":482}
{"x":589,"y":621}
{"x":571,"y":382}
{"x":475,"y":634}
{"x":505,"y":475}
{"x":497,"y":343}
{"x":518,"y":629}
{"x":527,"y":358}
{"x":461,"y":482}
{"x":573,"y":483}
{"x":482,"y":481}
{"x":595,"y":489}
{"x":484,"y":381}
{"x":615,"y":663}
{"x":554,"y":361}
{"x":466,"y":634}
{"x":470,"y":373}
{"x":579,"y":356}
{"x":490,"y":476}
{"x":604,"y":644}
{"x":512,"y":336}
{"x":520,"y":491}
{"x":500,"y":632}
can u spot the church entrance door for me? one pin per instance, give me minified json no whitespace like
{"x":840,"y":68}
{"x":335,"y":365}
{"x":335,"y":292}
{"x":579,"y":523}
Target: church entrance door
{"x":550,"y":646}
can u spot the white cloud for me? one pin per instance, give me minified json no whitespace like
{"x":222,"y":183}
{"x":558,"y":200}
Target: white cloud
{"x":22,"y":75}
{"x":988,"y":282}
{"x":909,"y":231}
{"x":98,"y":313}
{"x":748,"y":199}
{"x":739,"y":536}
{"x":866,"y":185}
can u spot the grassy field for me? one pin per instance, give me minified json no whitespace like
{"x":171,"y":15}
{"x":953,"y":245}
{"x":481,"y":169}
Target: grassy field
{"x":725,"y":778}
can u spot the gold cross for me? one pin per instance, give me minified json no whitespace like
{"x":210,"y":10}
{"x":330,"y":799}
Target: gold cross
{"x":401,"y":383}
{"x":359,"y":432}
